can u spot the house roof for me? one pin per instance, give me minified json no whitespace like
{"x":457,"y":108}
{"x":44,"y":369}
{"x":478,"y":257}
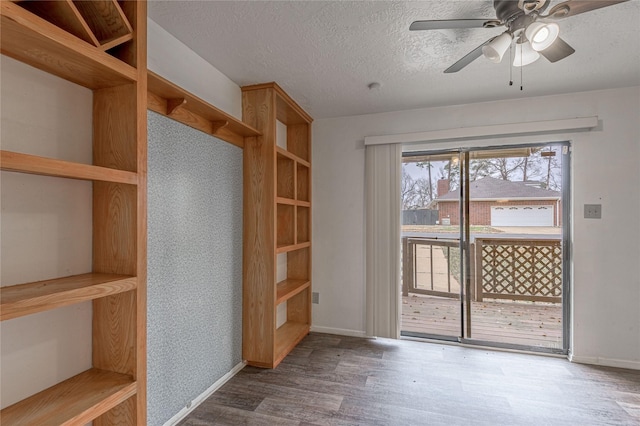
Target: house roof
{"x":493,"y":189}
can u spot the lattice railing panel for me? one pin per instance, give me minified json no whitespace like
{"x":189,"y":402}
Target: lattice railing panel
{"x":520,"y":269}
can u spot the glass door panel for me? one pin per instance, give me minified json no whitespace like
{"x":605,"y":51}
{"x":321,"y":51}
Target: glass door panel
{"x":515,"y":204}
{"x":431,"y":289}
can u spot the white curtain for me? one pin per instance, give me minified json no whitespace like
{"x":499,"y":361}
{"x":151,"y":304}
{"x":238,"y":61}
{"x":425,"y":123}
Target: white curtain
{"x":382,"y":181}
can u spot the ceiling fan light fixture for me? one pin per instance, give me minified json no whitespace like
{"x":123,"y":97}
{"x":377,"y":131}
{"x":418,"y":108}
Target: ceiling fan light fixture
{"x":542,"y":35}
{"x":494,"y":51}
{"x":525,"y":55}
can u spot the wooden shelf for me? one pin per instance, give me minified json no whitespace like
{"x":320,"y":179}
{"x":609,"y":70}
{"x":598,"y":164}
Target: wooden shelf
{"x":292,"y":202}
{"x":288,"y":336}
{"x":292,"y":156}
{"x":26,"y":299}
{"x":174,"y":102}
{"x":32,"y":164}
{"x":107,"y":22}
{"x":293,"y":247}
{"x":290,"y":287}
{"x":78,"y":400}
{"x":63,"y":14}
{"x":101,"y":23}
{"x":287,"y":201}
{"x":39,"y":43}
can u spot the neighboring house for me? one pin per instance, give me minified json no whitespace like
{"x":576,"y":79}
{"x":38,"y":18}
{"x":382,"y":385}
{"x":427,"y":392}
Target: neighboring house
{"x":498,"y":202}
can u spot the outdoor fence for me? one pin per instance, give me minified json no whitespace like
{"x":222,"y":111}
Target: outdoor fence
{"x":419,"y":217}
{"x":514,"y":269}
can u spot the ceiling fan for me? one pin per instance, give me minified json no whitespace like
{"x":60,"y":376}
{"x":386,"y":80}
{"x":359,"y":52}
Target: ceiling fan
{"x":535,"y":34}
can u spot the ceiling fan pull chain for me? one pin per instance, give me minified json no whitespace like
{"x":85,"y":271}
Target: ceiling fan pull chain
{"x":521,"y":83}
{"x":510,"y":66}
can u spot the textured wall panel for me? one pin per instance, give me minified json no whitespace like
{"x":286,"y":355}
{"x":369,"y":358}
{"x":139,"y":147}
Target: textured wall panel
{"x":195,"y":264}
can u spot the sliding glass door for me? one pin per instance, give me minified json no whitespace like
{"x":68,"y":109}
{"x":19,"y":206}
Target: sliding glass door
{"x":485,"y":236}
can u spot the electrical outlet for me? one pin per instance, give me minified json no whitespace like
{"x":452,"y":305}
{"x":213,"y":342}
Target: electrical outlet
{"x":593,"y":211}
{"x":315,"y":297}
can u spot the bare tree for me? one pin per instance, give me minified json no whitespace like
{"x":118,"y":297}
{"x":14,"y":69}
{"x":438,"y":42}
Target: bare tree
{"x":479,"y":169}
{"x":505,"y":168}
{"x":407,"y":191}
{"x":427,"y":165}
{"x":451,"y":172}
{"x":531,"y":165}
{"x":554,"y":170}
{"x":525,"y":167}
{"x":423,"y":192}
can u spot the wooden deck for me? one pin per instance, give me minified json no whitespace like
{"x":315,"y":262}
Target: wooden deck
{"x":531,"y":324}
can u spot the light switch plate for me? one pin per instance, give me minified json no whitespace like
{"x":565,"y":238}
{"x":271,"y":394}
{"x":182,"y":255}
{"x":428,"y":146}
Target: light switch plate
{"x":593,"y":211}
{"x":315,"y":297}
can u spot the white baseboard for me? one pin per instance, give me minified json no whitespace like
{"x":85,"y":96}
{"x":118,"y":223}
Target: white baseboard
{"x":606,"y":362}
{"x":204,"y":395}
{"x":338,"y":331}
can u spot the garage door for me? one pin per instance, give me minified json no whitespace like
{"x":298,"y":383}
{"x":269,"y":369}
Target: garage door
{"x":522,"y":216}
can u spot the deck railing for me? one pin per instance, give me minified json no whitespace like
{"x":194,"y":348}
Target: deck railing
{"x":501,"y":268}
{"x":423,"y":282}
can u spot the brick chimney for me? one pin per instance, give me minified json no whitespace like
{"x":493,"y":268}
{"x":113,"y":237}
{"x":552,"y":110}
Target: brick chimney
{"x":444,"y":186}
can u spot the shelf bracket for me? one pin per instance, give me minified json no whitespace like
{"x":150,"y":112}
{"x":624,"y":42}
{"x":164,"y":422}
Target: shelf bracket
{"x":174,"y":104}
{"x":217,"y":125}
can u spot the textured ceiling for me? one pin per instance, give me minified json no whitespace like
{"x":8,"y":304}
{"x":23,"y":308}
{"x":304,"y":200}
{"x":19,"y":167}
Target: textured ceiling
{"x":325,"y":53}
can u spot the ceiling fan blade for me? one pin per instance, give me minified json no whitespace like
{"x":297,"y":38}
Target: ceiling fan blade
{"x":468,"y":58}
{"x":558,"y":50}
{"x":453,"y":24}
{"x":575,"y":7}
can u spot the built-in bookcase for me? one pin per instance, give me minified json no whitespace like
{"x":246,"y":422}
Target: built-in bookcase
{"x":100,"y":45}
{"x":277,"y":221}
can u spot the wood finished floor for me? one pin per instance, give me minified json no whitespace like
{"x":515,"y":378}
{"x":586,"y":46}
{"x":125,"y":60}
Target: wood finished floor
{"x":336,"y":380}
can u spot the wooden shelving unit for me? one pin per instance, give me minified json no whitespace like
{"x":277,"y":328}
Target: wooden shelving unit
{"x":174,"y":102}
{"x":100,"y":45}
{"x":277,"y":220}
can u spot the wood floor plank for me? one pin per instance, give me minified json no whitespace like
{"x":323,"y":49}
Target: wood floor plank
{"x":221,"y":415}
{"x":344,"y":381}
{"x":295,"y":411}
{"x":310,"y":398}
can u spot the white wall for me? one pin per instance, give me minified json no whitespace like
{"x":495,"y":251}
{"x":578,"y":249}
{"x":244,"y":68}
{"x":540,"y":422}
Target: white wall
{"x":171,"y":59}
{"x":606,"y":252}
{"x":45,"y":225}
